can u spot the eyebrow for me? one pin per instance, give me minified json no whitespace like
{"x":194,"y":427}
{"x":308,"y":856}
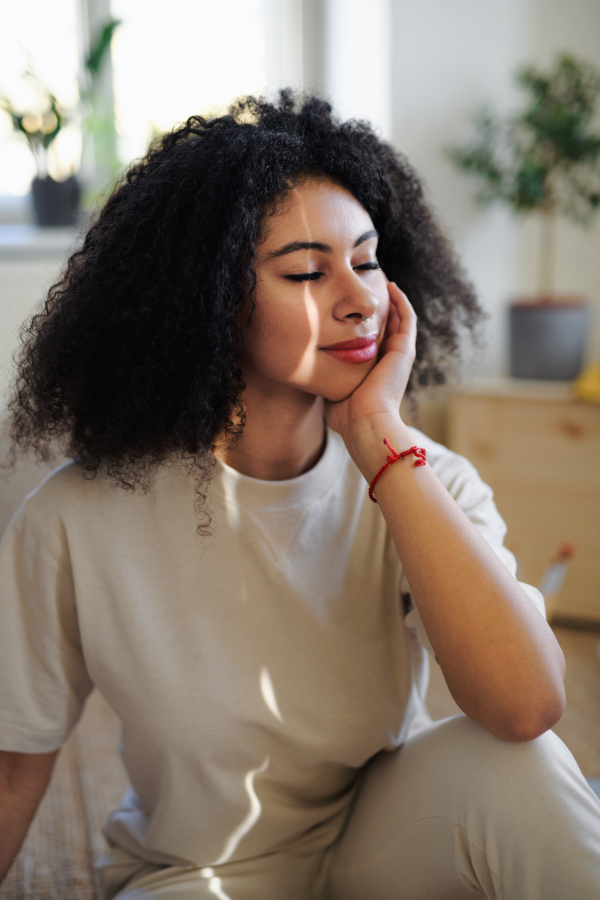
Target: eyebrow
{"x":316,"y":245}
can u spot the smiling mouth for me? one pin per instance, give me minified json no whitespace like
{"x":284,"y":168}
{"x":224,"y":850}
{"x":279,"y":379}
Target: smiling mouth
{"x":357,"y":350}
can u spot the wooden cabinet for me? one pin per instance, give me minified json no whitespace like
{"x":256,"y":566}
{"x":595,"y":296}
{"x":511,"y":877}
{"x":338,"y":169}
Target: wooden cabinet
{"x":539,"y":449}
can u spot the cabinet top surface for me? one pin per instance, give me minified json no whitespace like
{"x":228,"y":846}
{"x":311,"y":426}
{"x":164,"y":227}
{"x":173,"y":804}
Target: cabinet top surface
{"x":522,"y":389}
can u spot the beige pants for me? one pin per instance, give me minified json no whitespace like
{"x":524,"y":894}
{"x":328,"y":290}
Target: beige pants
{"x":454,"y":812}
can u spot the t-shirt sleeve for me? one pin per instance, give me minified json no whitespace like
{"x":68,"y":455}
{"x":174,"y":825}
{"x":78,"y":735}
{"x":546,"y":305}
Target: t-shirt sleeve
{"x":43,"y":677}
{"x":476,"y":499}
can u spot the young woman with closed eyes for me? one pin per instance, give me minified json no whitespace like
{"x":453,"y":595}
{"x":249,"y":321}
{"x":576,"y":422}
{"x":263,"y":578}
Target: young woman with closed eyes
{"x":223,"y":361}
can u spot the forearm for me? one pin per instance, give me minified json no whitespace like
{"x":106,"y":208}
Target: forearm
{"x":23,"y":781}
{"x":499,"y":657}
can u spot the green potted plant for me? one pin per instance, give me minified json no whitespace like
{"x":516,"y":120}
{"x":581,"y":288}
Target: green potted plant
{"x":544,"y":161}
{"x":56,"y":203}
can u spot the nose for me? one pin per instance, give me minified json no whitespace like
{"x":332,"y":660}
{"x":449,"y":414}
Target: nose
{"x":354,"y":299}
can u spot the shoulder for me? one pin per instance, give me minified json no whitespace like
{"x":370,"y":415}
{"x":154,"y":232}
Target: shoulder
{"x":458,"y":475}
{"x":439,"y":456}
{"x":476,"y":498}
{"x":464,"y":484}
{"x":46,"y":508}
{"x":62,"y":488}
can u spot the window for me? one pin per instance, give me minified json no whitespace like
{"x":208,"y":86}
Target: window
{"x":176,"y":59}
{"x":41,"y":37}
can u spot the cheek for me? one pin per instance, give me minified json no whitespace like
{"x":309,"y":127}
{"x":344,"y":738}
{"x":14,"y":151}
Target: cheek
{"x":284,"y":335}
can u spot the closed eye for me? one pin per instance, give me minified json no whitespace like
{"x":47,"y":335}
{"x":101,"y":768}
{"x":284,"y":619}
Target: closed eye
{"x":305,"y":276}
{"x":314,"y":276}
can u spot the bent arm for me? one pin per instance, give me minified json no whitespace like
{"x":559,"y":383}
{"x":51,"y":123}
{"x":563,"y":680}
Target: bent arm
{"x":499,"y":657}
{"x":24,"y":778}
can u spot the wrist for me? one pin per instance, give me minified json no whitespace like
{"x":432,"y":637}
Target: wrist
{"x":367,"y":447}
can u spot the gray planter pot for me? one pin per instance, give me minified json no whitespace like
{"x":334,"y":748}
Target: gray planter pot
{"x":547,"y":339}
{"x":55,"y":203}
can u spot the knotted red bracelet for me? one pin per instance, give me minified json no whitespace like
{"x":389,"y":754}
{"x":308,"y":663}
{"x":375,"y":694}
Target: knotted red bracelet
{"x":419,"y":452}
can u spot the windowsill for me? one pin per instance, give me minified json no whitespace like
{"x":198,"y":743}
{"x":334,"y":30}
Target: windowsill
{"x":27,"y":241}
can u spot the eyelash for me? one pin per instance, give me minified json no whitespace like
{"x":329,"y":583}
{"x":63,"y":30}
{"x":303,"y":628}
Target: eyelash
{"x":314,"y":276}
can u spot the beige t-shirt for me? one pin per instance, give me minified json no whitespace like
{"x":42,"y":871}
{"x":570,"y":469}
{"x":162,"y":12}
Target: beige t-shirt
{"x":254,"y":672}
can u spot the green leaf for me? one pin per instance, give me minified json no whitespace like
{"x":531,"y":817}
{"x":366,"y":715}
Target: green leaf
{"x":530,"y":185}
{"x":98,"y":50}
{"x":548,"y":156}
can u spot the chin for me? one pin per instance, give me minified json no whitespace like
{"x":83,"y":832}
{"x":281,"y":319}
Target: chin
{"x":337,"y":393}
{"x":341,"y":389}
{"x":338,"y":396}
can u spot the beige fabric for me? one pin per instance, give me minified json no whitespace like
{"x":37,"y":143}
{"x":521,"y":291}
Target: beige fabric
{"x":457,"y":813}
{"x":255,"y":673}
{"x":454,"y":813}
{"x":278,"y":876}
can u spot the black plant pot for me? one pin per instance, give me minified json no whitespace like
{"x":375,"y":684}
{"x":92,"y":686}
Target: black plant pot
{"x":547,"y":338}
{"x":56,"y":203}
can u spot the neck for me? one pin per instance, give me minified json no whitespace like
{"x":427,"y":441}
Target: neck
{"x":283,"y":437}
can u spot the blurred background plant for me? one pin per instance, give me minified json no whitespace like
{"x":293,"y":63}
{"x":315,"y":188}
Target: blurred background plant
{"x":40,"y":123}
{"x":546,"y":159}
{"x":43,"y":118}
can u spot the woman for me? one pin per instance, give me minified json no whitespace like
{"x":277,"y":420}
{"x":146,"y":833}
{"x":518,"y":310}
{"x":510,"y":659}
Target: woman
{"x":227,"y":347}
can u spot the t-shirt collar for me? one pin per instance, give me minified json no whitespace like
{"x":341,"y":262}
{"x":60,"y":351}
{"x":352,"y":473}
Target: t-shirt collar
{"x":255,"y":493}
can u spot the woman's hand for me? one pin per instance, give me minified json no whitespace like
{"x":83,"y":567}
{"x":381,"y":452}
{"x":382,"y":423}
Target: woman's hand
{"x":380,"y":394}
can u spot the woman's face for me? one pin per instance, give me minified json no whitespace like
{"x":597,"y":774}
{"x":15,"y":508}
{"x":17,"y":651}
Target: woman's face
{"x":317,"y":281}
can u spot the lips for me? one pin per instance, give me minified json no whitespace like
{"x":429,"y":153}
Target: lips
{"x":357,"y":350}
{"x":354,"y":343}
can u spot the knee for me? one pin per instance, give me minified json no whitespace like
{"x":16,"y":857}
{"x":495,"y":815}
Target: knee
{"x":545,"y":752}
{"x":476,"y":747}
{"x":541,"y":768}
{"x":459,"y":748}
{"x":465,"y":767}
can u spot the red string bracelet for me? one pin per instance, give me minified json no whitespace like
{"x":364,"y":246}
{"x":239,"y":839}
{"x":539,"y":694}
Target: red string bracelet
{"x":419,"y":452}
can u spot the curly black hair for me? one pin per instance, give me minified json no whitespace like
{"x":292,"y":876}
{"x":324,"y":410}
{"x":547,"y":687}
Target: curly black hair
{"x":132,"y":360}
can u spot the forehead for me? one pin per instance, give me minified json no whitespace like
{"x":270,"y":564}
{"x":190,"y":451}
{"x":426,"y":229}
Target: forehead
{"x":316,"y":210}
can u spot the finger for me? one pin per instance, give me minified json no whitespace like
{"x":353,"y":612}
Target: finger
{"x":393,"y":320}
{"x":391,"y":325}
{"x":407,"y":318}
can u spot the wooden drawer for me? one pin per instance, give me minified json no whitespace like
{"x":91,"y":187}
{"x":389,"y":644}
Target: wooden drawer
{"x":541,"y":456}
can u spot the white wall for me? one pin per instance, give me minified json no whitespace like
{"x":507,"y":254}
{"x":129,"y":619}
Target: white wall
{"x":447,"y":57}
{"x":357,"y":65}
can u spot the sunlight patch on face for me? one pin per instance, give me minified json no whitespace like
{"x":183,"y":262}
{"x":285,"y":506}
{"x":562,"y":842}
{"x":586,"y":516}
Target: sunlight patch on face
{"x":250,"y":820}
{"x":266,"y":688}
{"x":306,"y":365}
{"x":214,"y":883}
